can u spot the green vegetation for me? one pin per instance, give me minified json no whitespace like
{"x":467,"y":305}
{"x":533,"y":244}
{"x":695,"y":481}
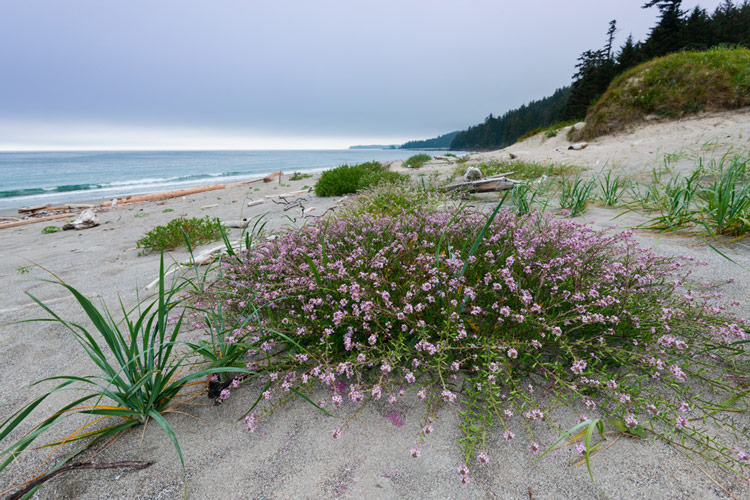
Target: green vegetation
{"x":611,"y":190}
{"x":167,"y":210}
{"x":140,"y":215}
{"x":139,"y":375}
{"x":298,"y":176}
{"x":521,"y":169}
{"x":391,"y":199}
{"x":675,"y":30}
{"x":549,"y":131}
{"x":177,"y":232}
{"x":576,"y":194}
{"x":501,"y":131}
{"x":674,"y":85}
{"x":346,"y":179}
{"x":50,"y":229}
{"x":440,"y":142}
{"x":417,"y":161}
{"x":715,"y":197}
{"x":23,"y":269}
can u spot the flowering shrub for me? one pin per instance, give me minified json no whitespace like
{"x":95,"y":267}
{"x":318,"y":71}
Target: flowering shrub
{"x":537,"y":313}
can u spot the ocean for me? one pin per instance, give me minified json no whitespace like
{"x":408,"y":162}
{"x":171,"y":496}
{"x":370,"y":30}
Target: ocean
{"x":35,"y":178}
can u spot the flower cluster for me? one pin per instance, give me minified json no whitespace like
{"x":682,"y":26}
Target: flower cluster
{"x":372,"y":307}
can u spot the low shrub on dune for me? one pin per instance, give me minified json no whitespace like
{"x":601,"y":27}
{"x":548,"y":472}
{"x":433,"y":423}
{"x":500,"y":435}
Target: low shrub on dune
{"x":502,"y":317}
{"x":346,"y":179}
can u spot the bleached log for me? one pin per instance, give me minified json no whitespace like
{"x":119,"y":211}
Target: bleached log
{"x":483,"y":186}
{"x":24,"y":222}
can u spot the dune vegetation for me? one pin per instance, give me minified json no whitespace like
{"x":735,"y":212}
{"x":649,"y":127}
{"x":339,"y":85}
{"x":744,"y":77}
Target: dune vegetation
{"x":673,"y":86}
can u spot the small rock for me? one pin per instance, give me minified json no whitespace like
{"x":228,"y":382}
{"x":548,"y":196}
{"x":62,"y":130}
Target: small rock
{"x":85,"y":220}
{"x":578,"y":146}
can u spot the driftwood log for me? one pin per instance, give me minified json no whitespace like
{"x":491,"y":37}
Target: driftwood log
{"x":495,"y":183}
{"x":76,"y":466}
{"x":34,"y":221}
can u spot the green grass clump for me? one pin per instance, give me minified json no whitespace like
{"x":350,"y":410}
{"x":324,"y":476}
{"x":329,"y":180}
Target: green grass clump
{"x":521,"y":169}
{"x":715,"y":196}
{"x":391,"y":199}
{"x":417,"y":161}
{"x":576,"y":194}
{"x":672,"y":86}
{"x":550,"y":130}
{"x":196,"y":231}
{"x":50,"y":229}
{"x":346,"y":179}
{"x":298,"y":176}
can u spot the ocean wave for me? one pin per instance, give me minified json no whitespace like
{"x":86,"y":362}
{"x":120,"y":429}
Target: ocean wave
{"x":145,"y":183}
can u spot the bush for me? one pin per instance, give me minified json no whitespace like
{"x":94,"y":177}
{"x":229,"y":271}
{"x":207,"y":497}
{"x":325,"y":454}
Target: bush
{"x":173,"y":235}
{"x":417,"y":161}
{"x":377,"y":307}
{"x":346,"y":179}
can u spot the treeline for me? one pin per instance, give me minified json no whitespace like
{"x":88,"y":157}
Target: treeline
{"x":676,"y":29}
{"x":440,"y":142}
{"x":501,"y":131}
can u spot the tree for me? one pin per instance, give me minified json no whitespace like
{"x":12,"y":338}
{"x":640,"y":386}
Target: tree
{"x":669,"y":33}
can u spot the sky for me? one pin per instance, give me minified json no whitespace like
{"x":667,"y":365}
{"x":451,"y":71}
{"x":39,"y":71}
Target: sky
{"x":283,"y":74}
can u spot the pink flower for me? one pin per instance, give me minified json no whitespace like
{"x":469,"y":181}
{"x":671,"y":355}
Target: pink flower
{"x":415,"y":453}
{"x":336,"y":433}
{"x":508,"y":435}
{"x":534,"y":447}
{"x":483,"y":458}
{"x":448,"y":396}
{"x":512,"y":353}
{"x":578,"y":367}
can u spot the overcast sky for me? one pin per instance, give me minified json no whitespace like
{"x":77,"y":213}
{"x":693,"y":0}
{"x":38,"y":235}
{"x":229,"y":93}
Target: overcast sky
{"x":213,"y":74}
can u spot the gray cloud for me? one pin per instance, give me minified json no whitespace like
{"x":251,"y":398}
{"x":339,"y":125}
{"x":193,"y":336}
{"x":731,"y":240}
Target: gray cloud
{"x":328,"y":69}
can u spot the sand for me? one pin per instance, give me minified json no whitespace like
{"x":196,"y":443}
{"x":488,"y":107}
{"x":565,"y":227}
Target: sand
{"x":293,"y":455}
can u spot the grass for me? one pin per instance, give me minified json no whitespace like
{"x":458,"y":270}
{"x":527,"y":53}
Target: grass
{"x":298,"y":176}
{"x":522,"y":169}
{"x":714,"y":198}
{"x":611,"y":189}
{"x":671,"y":86}
{"x":347,"y":179}
{"x":50,"y":229}
{"x":549,"y":131}
{"x":167,"y":210}
{"x":139,"y":376}
{"x":177,"y":231}
{"x":576,"y":194}
{"x":417,"y":161}
{"x":397,"y":198}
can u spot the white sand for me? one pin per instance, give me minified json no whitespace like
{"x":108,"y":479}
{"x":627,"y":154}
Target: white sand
{"x":293,"y":455}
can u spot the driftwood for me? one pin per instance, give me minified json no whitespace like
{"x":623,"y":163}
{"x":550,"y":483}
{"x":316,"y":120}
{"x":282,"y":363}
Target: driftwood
{"x":35,"y":208}
{"x":483,"y":186}
{"x":164,"y":195}
{"x":129,"y":464}
{"x":578,"y":146}
{"x":288,"y":195}
{"x":24,"y":222}
{"x":255,"y":203}
{"x":267,"y":178}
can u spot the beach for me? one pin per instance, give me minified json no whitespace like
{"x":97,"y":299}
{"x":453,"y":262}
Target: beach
{"x":292,"y":455}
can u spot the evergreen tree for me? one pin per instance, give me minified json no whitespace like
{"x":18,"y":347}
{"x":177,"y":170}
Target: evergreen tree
{"x":629,"y":55}
{"x":669,"y":33}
